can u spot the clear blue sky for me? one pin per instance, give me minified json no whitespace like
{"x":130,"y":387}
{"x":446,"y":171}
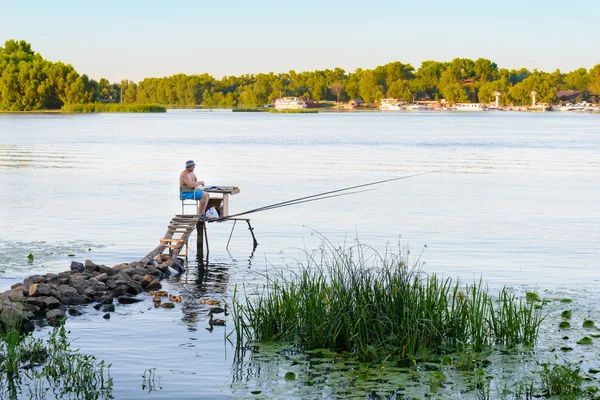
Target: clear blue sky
{"x":131,"y":39}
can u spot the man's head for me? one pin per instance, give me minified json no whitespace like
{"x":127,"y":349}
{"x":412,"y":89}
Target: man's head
{"x":190,"y":164}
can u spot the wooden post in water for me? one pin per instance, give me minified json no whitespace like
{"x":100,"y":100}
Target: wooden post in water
{"x":200,"y":227}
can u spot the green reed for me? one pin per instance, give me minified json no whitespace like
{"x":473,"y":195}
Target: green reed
{"x":377,"y":306}
{"x":33,"y":368}
{"x":112,"y":107}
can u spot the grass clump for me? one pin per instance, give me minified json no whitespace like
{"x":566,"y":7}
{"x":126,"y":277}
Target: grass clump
{"x":112,"y":107}
{"x":376,"y":306}
{"x":263,"y":109}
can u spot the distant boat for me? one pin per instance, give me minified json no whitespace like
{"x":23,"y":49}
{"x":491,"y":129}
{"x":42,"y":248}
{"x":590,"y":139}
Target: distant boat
{"x":391,"y":105}
{"x":293,"y":103}
{"x":470,"y":107}
{"x":413,"y":107}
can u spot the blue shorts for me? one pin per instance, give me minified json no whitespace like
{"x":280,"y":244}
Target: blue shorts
{"x":190,"y":195}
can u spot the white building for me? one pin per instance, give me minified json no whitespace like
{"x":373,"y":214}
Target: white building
{"x":290,"y":103}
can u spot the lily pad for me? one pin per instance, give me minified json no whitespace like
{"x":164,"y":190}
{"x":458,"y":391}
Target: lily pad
{"x":564,"y":325}
{"x":30,"y":257}
{"x":566,"y":349}
{"x":290,"y":376}
{"x":586,"y":340}
{"x":566,"y":314}
{"x":71,"y":255}
{"x":593,"y":370}
{"x":256,"y":392}
{"x":591,"y":389}
{"x":588,"y":323}
{"x":566,"y":300}
{"x":532,"y":296}
{"x":595,"y":335}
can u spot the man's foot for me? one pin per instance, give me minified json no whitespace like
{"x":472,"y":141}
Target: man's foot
{"x":203,"y":216}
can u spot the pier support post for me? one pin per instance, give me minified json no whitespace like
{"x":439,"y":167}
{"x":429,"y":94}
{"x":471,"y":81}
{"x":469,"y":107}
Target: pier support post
{"x":200,"y":228}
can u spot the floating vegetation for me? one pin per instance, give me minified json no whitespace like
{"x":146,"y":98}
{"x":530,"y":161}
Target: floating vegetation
{"x":149,"y":380}
{"x":35,"y":368}
{"x":566,"y":301}
{"x":22,"y":255}
{"x":561,"y":378}
{"x":585,"y":340}
{"x":377,"y":307}
{"x":564,"y":325}
{"x":588,"y":324}
{"x":566,"y":314}
{"x":112,"y":107}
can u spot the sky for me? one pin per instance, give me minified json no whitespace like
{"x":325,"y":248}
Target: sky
{"x":131,"y":39}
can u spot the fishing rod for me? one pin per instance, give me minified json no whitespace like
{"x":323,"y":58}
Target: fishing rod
{"x":321,"y":196}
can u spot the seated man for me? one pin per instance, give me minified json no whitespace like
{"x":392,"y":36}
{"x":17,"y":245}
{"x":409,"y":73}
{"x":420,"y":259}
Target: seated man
{"x":187,"y":187}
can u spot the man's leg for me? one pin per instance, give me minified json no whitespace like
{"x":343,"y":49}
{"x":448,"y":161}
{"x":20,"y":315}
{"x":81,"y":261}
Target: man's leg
{"x":203,"y":203}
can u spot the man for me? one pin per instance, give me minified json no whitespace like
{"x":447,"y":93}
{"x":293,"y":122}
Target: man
{"x":187,"y":187}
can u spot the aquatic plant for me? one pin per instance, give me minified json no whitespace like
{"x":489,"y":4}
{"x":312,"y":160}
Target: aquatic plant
{"x":377,"y":306}
{"x":112,"y":107}
{"x":561,"y":378}
{"x":48,"y":366}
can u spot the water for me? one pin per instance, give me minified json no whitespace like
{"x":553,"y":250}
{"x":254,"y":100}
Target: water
{"x":513,"y":199}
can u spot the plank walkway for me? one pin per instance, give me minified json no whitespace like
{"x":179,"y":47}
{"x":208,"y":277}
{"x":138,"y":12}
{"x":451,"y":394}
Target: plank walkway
{"x":178,"y":232}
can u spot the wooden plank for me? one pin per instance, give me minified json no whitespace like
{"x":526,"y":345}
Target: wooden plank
{"x":174,"y":246}
{"x":172,"y":240}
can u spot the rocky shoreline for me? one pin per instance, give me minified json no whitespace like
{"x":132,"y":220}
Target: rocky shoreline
{"x":54,"y":296}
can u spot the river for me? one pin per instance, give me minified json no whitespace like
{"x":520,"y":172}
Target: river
{"x":511,"y":197}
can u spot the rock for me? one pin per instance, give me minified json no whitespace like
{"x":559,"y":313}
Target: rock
{"x":51,"y":278}
{"x":103,"y":269}
{"x":104,"y":298}
{"x":36,"y":301}
{"x":98,"y":306}
{"x":120,"y":290}
{"x":39,"y":289}
{"x":18,"y":286}
{"x":71,"y":296}
{"x":14,"y":295}
{"x":109,"y":308}
{"x":77,"y":267}
{"x":167,"y":305}
{"x":110,"y":284}
{"x":55,"y":317}
{"x":50,"y":302}
{"x":64,"y":274}
{"x":75,"y":312}
{"x":129,"y":300}
{"x":89,"y":265}
{"x":30,"y":280}
{"x":154,"y":285}
{"x":16,"y":317}
{"x":106,"y":316}
{"x":103,"y":277}
{"x":146,"y":280}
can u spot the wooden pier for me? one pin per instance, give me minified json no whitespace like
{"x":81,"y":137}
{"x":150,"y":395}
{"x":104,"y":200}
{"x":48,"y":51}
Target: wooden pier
{"x":181,"y":227}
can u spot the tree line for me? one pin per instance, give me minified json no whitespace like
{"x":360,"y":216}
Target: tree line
{"x":28,"y":82}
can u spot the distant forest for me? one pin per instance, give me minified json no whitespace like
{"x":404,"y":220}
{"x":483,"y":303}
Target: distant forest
{"x":28,"y":82}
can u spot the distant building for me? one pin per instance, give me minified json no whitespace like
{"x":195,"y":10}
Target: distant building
{"x":353,"y":103}
{"x":293,"y":103}
{"x":470,"y":107}
{"x":569,"y":95}
{"x":391,"y":104}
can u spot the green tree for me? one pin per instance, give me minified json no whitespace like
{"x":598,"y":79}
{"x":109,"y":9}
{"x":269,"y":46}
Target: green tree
{"x":594,"y":77}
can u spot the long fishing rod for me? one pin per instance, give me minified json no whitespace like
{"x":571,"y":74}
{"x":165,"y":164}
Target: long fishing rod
{"x":319,"y":195}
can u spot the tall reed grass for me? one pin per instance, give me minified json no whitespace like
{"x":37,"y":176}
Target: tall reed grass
{"x":112,"y":107}
{"x":376,"y":306}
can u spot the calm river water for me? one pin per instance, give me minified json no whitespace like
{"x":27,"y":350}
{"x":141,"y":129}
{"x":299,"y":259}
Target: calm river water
{"x":513,"y":199}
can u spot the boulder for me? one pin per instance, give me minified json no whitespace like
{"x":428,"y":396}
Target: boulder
{"x":71,"y":296}
{"x":30,"y":280}
{"x":75,"y":312}
{"x":50,"y":302}
{"x":39,"y":289}
{"x":77,"y":267}
{"x":106,"y":316}
{"x":103,"y":277}
{"x":104,"y":298}
{"x":89,"y":265}
{"x":109,"y":308}
{"x":154,"y":285}
{"x":55,"y":317}
{"x":129,"y":300}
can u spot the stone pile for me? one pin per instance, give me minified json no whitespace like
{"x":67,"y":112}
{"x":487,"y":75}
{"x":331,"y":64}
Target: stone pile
{"x":52,"y":296}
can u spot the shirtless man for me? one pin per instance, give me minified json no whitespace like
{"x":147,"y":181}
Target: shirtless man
{"x":187,"y":187}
